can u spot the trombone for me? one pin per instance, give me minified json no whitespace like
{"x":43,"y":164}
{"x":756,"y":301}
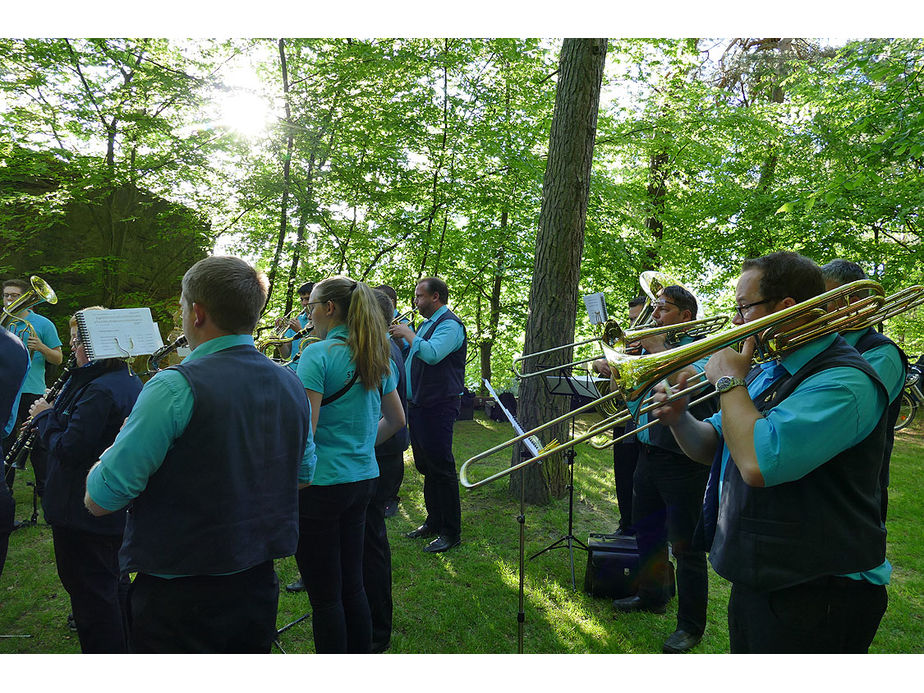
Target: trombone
{"x":613,"y":335}
{"x":775,"y":334}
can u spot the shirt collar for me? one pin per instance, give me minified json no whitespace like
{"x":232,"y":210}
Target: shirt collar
{"x":220,"y":344}
{"x":437,"y":314}
{"x":337,"y":331}
{"x":793,"y":361}
{"x":853,"y":336}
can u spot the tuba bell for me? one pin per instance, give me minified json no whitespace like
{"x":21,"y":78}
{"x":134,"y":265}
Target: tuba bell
{"x":40,"y":292}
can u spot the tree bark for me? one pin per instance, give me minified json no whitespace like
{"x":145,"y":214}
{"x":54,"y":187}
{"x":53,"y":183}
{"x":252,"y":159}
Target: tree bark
{"x":286,"y":167}
{"x":560,"y":242}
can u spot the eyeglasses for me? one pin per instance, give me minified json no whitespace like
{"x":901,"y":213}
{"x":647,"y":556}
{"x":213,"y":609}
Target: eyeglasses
{"x":314,"y":303}
{"x":747,"y":306}
{"x":660,"y":305}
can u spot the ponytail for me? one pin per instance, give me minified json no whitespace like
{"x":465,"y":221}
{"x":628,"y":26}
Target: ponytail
{"x":367,"y":335}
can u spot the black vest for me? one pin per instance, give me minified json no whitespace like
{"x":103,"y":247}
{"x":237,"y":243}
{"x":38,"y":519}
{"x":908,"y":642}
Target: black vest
{"x":226,"y":496}
{"x":398,"y":442}
{"x":870,"y":340}
{"x":102,"y":396}
{"x":444,"y":380}
{"x":826,"y":523}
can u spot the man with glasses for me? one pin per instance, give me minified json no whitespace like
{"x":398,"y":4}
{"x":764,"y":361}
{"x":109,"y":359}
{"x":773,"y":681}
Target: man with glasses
{"x":792,"y":511}
{"x":667,"y":501}
{"x":44,"y":345}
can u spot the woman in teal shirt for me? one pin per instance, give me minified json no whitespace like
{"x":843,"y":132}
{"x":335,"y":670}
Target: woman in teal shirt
{"x":351,"y":386}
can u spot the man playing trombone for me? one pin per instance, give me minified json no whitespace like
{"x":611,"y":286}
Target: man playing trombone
{"x":666,"y":503}
{"x":792,"y":509}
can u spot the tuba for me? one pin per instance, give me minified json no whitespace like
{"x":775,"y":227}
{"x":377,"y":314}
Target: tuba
{"x":39,"y":292}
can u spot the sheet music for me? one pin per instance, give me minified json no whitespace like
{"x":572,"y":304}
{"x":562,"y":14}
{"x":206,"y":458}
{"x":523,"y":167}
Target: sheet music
{"x":119,"y":333}
{"x":596,"y":308}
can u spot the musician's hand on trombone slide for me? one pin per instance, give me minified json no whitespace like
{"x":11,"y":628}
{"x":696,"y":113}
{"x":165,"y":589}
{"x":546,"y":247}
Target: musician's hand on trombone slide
{"x":729,"y":362}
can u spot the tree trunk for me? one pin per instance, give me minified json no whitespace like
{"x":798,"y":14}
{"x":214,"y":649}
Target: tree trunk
{"x":553,"y":295}
{"x":657,"y":192}
{"x":487,"y":342}
{"x":286,"y":167}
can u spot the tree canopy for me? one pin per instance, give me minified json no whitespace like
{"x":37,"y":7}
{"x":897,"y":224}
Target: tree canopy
{"x":393,"y":159}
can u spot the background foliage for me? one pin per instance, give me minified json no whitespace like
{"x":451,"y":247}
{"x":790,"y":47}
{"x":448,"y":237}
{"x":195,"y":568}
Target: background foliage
{"x":392,"y":159}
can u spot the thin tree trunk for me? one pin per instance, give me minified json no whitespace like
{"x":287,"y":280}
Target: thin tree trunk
{"x":560,"y":242}
{"x":286,"y":166}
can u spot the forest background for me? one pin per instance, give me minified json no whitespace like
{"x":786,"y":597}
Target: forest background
{"x":124,"y":160}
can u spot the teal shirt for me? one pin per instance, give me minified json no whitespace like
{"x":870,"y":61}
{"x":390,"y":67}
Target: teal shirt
{"x":160,"y":416}
{"x":45,"y":329}
{"x":345,"y":435}
{"x":827,"y":413}
{"x":885,"y":360}
{"x":446,"y":338}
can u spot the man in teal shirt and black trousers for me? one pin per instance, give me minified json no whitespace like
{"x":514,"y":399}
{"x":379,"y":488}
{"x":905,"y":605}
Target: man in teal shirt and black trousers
{"x":435,"y":367}
{"x":211,"y":459}
{"x":792,"y":513}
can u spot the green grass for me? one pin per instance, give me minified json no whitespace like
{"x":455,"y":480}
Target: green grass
{"x":466,"y":600}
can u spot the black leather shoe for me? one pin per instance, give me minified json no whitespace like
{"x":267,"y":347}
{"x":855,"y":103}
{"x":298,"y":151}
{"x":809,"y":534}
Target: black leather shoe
{"x":635,"y":603}
{"x":441,"y":543}
{"x":380,"y":647}
{"x":297,"y":586}
{"x":680,"y":641}
{"x":422,"y":531}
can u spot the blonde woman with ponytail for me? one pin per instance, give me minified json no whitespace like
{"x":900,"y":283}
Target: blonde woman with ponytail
{"x":350,"y":384}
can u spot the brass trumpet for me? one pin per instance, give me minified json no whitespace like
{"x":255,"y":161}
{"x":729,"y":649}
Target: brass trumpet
{"x":775,"y":334}
{"x":407,"y":315}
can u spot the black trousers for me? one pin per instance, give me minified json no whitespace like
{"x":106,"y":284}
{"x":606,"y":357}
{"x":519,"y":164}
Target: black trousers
{"x":625,"y":456}
{"x":391,"y":474}
{"x":215,"y":614}
{"x":827,"y":615}
{"x":332,"y":525}
{"x":38,"y":457}
{"x":666,"y":505}
{"x":88,"y":566}
{"x":431,"y":441}
{"x":6,"y":521}
{"x":377,"y":559}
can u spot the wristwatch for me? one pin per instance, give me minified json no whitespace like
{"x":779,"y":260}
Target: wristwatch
{"x":727,"y":382}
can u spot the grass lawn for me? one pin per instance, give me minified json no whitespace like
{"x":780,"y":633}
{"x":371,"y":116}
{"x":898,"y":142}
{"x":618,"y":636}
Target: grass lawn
{"x":466,"y":600}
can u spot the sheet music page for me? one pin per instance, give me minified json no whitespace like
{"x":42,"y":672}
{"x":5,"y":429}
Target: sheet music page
{"x":596,"y":308}
{"x":122,"y":331}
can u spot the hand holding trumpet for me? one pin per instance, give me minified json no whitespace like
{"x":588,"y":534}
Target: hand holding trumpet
{"x":402,"y":331}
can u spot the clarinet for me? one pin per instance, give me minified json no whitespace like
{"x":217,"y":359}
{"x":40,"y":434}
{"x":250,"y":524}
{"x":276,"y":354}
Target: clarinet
{"x":155,"y":358}
{"x":23,"y":445}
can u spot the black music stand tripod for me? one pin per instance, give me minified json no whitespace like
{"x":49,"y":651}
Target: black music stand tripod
{"x":567,"y":385}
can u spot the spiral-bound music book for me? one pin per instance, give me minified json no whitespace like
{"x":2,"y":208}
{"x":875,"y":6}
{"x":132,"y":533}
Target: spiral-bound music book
{"x":118,"y":333}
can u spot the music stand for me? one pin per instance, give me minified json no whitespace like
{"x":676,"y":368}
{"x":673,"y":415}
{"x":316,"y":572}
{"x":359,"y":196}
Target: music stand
{"x":568,"y":385}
